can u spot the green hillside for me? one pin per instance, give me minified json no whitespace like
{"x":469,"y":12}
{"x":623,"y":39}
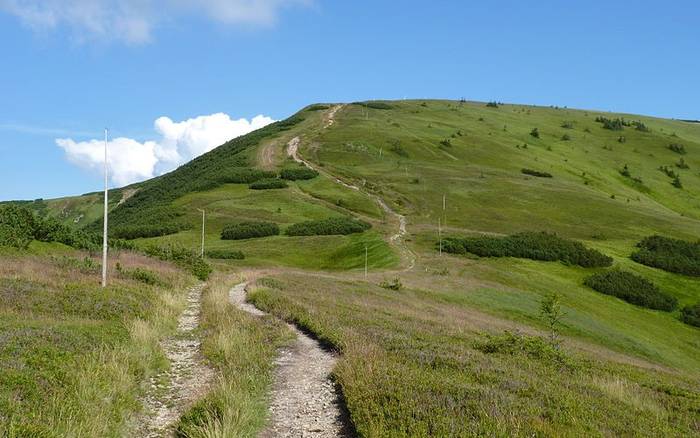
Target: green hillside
{"x":436,"y":316}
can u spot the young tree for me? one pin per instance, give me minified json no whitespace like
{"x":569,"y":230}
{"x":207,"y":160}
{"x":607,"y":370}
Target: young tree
{"x":552,"y":314}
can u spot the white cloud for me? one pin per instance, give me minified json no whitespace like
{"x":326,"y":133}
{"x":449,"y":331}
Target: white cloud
{"x":133,"y":21}
{"x":132,"y":161}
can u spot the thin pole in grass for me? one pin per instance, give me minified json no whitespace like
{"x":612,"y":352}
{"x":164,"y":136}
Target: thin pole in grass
{"x":365,"y":261}
{"x":202,"y":231}
{"x":444,"y":205}
{"x":440,"y":236}
{"x":104,"y":228}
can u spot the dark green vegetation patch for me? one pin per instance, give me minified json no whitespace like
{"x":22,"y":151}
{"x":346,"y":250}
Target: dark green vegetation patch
{"x":669,"y":254}
{"x":324,"y":227}
{"x":375,"y":105}
{"x":297,"y":174}
{"x":536,"y":173}
{"x":249,"y":230}
{"x":181,"y":256}
{"x":268,"y":183}
{"x":225,"y":254}
{"x":631,"y":288}
{"x":691,"y":315}
{"x":529,"y":245}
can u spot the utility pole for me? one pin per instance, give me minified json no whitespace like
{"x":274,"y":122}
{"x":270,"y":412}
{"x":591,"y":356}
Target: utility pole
{"x":202,"y":231}
{"x":444,"y":210}
{"x":365,"y":261}
{"x":104,"y":230}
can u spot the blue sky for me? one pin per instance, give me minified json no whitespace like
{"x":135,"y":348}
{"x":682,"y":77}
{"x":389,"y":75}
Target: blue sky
{"x":66,"y":73}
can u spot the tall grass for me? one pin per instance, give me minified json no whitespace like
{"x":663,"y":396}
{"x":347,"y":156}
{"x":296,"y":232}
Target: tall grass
{"x":242,"y":348}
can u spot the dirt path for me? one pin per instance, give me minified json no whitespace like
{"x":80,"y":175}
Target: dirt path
{"x":398,"y":238}
{"x":304,"y":401}
{"x":171,"y":392}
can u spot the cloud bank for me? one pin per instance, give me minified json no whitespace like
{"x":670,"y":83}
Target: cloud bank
{"x":133,"y":21}
{"x":130,"y":161}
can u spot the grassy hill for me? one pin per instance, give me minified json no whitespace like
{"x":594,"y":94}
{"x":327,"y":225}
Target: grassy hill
{"x":479,"y":170}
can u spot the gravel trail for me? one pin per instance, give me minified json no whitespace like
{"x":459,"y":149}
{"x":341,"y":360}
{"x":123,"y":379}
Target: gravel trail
{"x":304,"y":401}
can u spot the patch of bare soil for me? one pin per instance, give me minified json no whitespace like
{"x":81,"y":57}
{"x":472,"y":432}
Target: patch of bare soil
{"x":173,"y":391}
{"x":304,"y":401}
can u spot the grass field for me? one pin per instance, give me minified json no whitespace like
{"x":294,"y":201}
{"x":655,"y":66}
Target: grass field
{"x":74,"y":357}
{"x":622,"y":369}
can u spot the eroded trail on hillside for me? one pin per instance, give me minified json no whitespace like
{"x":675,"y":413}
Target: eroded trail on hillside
{"x":398,"y":237}
{"x":170,"y":393}
{"x":304,"y":402}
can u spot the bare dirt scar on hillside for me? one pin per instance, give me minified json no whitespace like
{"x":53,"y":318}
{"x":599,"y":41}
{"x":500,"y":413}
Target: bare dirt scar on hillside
{"x":304,"y":402}
{"x":173,"y":391}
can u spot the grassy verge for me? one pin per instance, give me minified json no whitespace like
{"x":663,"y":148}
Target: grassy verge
{"x":73,"y":356}
{"x":466,"y":377}
{"x":243,"y":349}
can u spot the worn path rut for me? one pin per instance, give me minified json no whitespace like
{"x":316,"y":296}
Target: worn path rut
{"x":304,"y":402}
{"x":170,"y":393}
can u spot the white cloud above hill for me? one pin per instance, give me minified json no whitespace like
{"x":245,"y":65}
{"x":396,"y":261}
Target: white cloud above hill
{"x":133,"y":21}
{"x":131,"y":161}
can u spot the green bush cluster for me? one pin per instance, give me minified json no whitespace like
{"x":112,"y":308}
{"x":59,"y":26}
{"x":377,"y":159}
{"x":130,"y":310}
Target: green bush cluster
{"x":691,"y":315}
{"x":19,"y":226}
{"x":616,"y":124}
{"x":130,"y":232}
{"x":536,"y":173}
{"x":267,"y":184}
{"x":492,"y":104}
{"x":330,"y":226}
{"x":249,"y":230}
{"x":150,"y":207}
{"x":375,"y":105}
{"x":317,"y":107}
{"x":677,"y":148}
{"x":631,"y":288}
{"x":529,"y":245}
{"x":183,"y":257}
{"x":225,"y":254}
{"x":673,"y":255}
{"x":298,"y":174}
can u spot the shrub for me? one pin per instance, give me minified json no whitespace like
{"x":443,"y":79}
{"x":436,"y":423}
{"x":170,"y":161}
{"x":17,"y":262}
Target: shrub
{"x":668,"y":171}
{"x":691,"y":315}
{"x":677,"y":148}
{"x":17,"y":226}
{"x":317,"y":107}
{"x":513,"y":343}
{"x":394,"y":284}
{"x":330,"y":226}
{"x":141,"y":275}
{"x":625,"y":172}
{"x":375,"y":105}
{"x":297,"y":174}
{"x":530,"y":245}
{"x":492,"y":104}
{"x":535,"y":133}
{"x":671,"y":255}
{"x":398,"y":149}
{"x":677,"y":182}
{"x":565,"y":137}
{"x":567,"y":125}
{"x":183,"y":257}
{"x":681,"y":164}
{"x":267,"y":184}
{"x":611,"y":124}
{"x":446,"y":143}
{"x":225,"y":254}
{"x":631,"y":288}
{"x":536,"y":173}
{"x":249,"y":230}
{"x":639,"y":126}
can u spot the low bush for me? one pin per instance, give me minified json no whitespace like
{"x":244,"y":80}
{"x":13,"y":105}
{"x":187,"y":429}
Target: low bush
{"x":616,"y":124}
{"x":677,"y":148}
{"x":530,"y":245}
{"x":681,"y":164}
{"x":514,"y":343}
{"x":567,"y":125}
{"x":536,"y":173}
{"x":244,"y":175}
{"x":130,"y":232}
{"x":672,"y":255}
{"x":535,"y":133}
{"x":691,"y":315}
{"x":141,"y":275}
{"x":492,"y":104}
{"x":375,"y":105}
{"x":631,"y":288}
{"x":268,"y":183}
{"x":249,"y":230}
{"x":225,"y":254}
{"x":330,"y":226}
{"x":394,"y":284}
{"x":183,"y":257}
{"x":639,"y":126}
{"x":317,"y":107}
{"x":297,"y":174}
